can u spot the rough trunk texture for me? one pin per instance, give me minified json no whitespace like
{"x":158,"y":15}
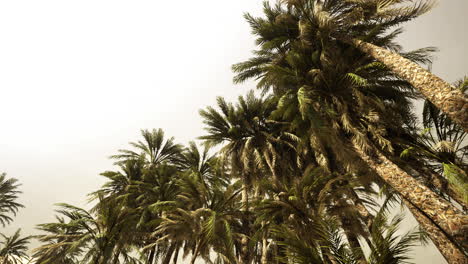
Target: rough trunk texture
{"x":439,"y":182}
{"x":451,"y":255}
{"x":444,"y":223}
{"x":445,"y":97}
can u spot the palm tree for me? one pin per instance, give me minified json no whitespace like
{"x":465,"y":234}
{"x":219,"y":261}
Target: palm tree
{"x":98,"y":240}
{"x":150,"y":170}
{"x":331,"y":94}
{"x":442,"y":148}
{"x":205,"y":214}
{"x":248,"y":144}
{"x":57,"y":243}
{"x":14,"y":248}
{"x":308,"y":198}
{"x":358,"y":23}
{"x":154,"y":149}
{"x":8,"y":196}
{"x":386,"y":246}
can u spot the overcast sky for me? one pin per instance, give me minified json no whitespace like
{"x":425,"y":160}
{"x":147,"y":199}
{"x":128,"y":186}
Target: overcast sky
{"x":79,"y":79}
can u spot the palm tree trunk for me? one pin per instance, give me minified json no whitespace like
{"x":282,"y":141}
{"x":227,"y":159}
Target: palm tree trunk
{"x":176,"y":254}
{"x":170,"y":251}
{"x":195,"y":253}
{"x":445,"y":97}
{"x":264,"y":259}
{"x":445,"y":224}
{"x":442,"y":185}
{"x":151,"y":255}
{"x":352,"y":238}
{"x":455,"y":256}
{"x":244,"y":256}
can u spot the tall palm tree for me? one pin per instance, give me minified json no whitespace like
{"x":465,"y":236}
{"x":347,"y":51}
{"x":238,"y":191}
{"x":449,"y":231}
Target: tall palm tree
{"x":158,"y":160}
{"x":335,"y":93}
{"x":248,"y":144}
{"x":14,"y":249}
{"x":205,"y":214}
{"x":358,"y":23}
{"x":8,"y":199}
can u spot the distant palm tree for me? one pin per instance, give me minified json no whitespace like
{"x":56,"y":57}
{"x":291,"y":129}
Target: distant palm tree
{"x":8,"y":199}
{"x":82,"y":237}
{"x":154,"y":149}
{"x":148,"y":175}
{"x":14,"y":249}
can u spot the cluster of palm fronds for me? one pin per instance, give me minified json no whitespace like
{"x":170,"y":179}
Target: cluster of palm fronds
{"x":13,"y":249}
{"x":167,"y":201}
{"x":298,"y":168}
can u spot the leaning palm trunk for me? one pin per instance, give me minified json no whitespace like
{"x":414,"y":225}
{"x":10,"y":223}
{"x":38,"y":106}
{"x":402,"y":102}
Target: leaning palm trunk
{"x":442,"y":185}
{"x":445,"y":97}
{"x":446,"y":247}
{"x":444,"y":223}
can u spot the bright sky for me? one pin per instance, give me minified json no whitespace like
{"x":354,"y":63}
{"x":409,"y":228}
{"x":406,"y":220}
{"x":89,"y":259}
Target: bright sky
{"x":79,"y":79}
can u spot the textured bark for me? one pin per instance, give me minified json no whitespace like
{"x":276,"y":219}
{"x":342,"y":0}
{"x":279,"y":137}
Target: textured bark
{"x":445,"y":97}
{"x":451,"y":254}
{"x":444,"y":223}
{"x":441,"y":184}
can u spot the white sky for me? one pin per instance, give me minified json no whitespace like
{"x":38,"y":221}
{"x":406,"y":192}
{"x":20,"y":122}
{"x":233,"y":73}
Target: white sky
{"x":79,"y":79}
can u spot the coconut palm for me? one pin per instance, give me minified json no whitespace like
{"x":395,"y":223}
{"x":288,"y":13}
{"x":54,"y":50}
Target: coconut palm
{"x":8,"y":199}
{"x":334,"y":93}
{"x":13,"y":249}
